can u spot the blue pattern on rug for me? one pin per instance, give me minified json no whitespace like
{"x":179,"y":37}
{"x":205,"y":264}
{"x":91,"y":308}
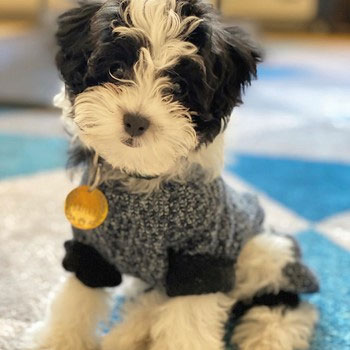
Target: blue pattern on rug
{"x":24,"y":155}
{"x":314,"y":190}
{"x":116,"y":315}
{"x":332,"y":265}
{"x":274,"y":72}
{"x":5,"y":109}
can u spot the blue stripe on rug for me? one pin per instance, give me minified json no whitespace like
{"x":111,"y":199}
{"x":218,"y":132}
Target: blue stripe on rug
{"x":278,"y":72}
{"x":314,"y":190}
{"x":24,"y":155}
{"x":4,"y":110}
{"x":332,"y":265}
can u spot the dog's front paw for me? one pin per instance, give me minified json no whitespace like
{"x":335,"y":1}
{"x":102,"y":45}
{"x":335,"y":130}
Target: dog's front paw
{"x":57,"y":338}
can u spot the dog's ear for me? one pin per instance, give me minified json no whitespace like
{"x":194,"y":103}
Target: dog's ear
{"x":74,"y":41}
{"x":235,"y":66}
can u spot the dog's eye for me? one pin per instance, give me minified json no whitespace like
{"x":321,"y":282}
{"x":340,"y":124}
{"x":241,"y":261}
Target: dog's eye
{"x":180,"y":88}
{"x":177,"y":89}
{"x":117,"y":71}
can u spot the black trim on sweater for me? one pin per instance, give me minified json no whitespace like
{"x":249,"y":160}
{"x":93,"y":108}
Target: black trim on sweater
{"x":89,"y":266}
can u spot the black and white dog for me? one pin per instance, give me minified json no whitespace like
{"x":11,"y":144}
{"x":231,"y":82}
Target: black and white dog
{"x":149,"y":89}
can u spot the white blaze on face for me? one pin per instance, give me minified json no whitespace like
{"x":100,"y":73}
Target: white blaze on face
{"x":99,"y":110}
{"x":159,"y":24}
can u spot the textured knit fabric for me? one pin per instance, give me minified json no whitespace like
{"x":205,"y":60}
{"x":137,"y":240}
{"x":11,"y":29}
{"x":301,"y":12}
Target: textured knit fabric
{"x":194,"y":218}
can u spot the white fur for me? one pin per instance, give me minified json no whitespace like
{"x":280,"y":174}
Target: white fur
{"x":134,"y":332}
{"x":260,"y":264}
{"x":72,"y":320}
{"x":99,"y":115}
{"x":208,"y":157}
{"x":156,"y":322}
{"x":159,"y":24}
{"x":191,"y":323}
{"x":62,"y":101}
{"x":263,"y":328}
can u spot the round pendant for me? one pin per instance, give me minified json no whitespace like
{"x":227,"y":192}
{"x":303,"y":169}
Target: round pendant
{"x":86,"y":209}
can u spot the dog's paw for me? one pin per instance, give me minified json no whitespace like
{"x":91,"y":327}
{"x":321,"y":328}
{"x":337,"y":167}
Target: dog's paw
{"x":265,"y":328}
{"x":40,"y":337}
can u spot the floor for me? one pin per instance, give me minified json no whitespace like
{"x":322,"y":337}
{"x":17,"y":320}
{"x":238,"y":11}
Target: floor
{"x":290,"y":143}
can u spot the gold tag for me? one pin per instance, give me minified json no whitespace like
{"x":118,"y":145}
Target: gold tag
{"x":86,"y":209}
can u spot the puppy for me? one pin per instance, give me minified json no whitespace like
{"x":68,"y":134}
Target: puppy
{"x":149,"y":89}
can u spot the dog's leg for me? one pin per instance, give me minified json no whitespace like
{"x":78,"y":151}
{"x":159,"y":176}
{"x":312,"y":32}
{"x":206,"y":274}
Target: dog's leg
{"x":190,"y":323}
{"x":134,"y":332}
{"x":72,"y":319}
{"x":157,"y":322}
{"x":270,"y":264}
{"x":280,"y":328}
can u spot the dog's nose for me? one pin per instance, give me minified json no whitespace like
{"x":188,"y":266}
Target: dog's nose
{"x":135,"y":124}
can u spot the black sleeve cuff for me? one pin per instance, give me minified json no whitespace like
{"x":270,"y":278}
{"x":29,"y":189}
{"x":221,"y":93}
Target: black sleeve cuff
{"x":89,"y":266}
{"x":199,"y":274}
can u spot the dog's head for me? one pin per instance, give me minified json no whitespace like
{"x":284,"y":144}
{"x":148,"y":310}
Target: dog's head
{"x":151,"y":81}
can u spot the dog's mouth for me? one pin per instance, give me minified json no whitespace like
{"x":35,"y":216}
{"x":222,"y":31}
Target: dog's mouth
{"x":131,"y":142}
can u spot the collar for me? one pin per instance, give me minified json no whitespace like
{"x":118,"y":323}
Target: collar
{"x":142,"y":177}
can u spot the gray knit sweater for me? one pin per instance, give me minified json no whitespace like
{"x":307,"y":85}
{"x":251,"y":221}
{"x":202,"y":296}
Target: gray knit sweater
{"x":193,"y":218}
